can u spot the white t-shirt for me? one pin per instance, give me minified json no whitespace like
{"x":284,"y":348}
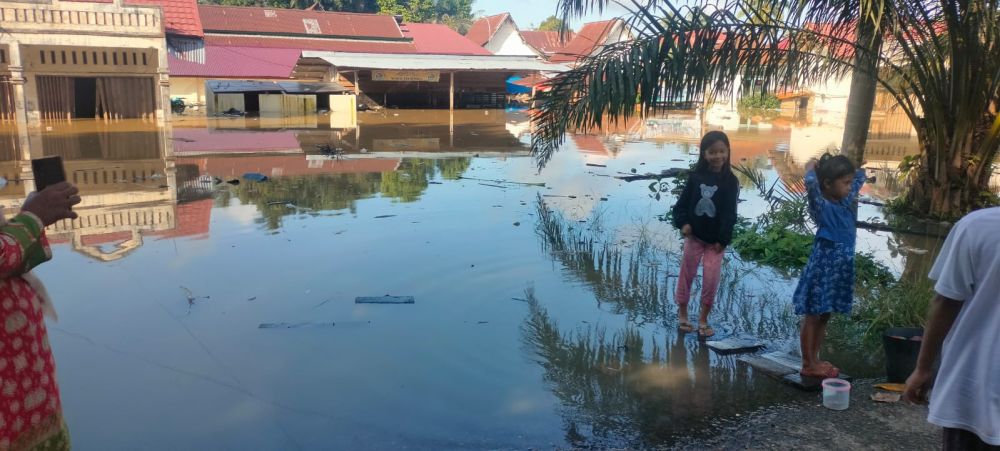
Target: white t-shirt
{"x":966,"y":394}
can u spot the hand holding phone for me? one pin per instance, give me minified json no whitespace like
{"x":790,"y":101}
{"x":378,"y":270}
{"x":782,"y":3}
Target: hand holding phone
{"x":48,"y":171}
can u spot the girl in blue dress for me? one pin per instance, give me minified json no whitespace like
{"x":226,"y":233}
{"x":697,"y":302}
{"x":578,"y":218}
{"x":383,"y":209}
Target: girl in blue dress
{"x":827,"y":283}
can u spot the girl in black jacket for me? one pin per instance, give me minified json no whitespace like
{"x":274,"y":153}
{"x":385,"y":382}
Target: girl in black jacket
{"x":705,"y":215}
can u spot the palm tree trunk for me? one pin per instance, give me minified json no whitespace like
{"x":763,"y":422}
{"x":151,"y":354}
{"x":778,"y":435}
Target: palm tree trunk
{"x":949,"y":187}
{"x":862,"y":96}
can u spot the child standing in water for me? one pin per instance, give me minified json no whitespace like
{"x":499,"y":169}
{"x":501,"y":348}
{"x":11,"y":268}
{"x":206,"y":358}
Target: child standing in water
{"x":827,"y":284}
{"x":705,"y":215}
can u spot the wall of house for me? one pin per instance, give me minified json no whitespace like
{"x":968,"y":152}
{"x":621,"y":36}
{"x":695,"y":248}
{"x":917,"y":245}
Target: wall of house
{"x":191,"y":89}
{"x":68,"y":30}
{"x":507,"y":41}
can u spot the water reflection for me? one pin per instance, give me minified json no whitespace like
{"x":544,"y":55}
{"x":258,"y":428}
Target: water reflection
{"x":337,"y":187}
{"x":636,"y":277}
{"x":125,"y":172}
{"x":637,"y":389}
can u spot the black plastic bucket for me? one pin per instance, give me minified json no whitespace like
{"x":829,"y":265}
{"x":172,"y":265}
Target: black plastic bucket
{"x":901,"y":352}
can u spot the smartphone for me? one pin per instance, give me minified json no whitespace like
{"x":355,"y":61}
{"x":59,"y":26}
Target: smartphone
{"x":48,"y":171}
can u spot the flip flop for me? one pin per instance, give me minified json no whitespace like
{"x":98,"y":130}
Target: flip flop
{"x":829,"y":366}
{"x":706,"y":331}
{"x":686,"y":327}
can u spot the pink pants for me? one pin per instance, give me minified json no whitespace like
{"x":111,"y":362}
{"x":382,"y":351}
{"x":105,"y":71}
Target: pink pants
{"x":696,"y":252}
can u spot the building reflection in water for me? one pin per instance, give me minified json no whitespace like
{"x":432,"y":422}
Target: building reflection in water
{"x":125,"y":172}
{"x":140,"y":180}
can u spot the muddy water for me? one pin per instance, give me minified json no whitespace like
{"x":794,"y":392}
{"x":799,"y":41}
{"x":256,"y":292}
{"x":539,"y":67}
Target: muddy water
{"x":543,"y":311}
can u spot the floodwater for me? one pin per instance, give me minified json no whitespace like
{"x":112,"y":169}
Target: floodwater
{"x":543,"y":308}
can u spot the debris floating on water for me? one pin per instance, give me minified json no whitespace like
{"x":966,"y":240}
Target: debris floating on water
{"x":595,"y":165}
{"x":311,"y":325}
{"x":255,"y":177}
{"x":384,"y":300}
{"x":384,"y":216}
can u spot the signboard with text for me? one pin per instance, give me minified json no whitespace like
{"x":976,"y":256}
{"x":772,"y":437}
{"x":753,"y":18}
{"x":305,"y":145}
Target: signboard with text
{"x":430,"y":76}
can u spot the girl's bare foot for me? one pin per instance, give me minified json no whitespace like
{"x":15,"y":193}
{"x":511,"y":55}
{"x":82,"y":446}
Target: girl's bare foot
{"x":819,"y":371}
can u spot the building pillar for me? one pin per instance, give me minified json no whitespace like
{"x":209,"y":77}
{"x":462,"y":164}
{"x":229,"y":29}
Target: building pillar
{"x":357,"y":82}
{"x":451,"y":91}
{"x":21,"y":117}
{"x":163,"y":108}
{"x":451,"y":103}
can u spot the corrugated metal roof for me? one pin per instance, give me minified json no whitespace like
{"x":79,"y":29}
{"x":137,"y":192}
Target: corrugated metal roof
{"x":590,"y":37}
{"x":547,"y":42}
{"x":331,"y":45}
{"x":285,"y":87}
{"x":179,"y":16}
{"x":237,"y":62}
{"x":440,"y":39}
{"x":433,"y":62}
{"x":297,"y":22}
{"x":297,"y":87}
{"x":238,"y":86}
{"x":483,"y":29}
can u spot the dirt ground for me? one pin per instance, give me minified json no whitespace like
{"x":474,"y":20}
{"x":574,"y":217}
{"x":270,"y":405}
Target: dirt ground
{"x":866,"y":425}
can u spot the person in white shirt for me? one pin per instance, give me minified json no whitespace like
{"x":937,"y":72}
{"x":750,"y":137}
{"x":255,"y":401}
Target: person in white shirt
{"x":963,"y":328}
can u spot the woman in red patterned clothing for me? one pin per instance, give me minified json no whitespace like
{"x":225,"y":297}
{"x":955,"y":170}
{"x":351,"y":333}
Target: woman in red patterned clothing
{"x":30,"y":412}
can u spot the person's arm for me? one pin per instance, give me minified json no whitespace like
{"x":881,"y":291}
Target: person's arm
{"x":943,"y":313}
{"x":680,"y":212}
{"x":727,"y":214}
{"x":22,"y":240}
{"x":22,"y":245}
{"x":859,"y":180}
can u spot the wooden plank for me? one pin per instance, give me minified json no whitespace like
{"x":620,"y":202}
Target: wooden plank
{"x":767,"y":366}
{"x":384,"y":300}
{"x":734,"y":345}
{"x":809,"y":383}
{"x":784,"y":358}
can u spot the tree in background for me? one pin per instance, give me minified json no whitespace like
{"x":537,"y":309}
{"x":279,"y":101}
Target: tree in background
{"x":457,"y":14}
{"x":939,"y":61}
{"x":552,"y":23}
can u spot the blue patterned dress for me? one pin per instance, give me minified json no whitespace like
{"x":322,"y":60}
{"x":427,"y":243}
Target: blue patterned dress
{"x":827,"y":283}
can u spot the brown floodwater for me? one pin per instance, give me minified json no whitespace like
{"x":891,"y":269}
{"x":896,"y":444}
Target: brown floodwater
{"x":196,"y":313}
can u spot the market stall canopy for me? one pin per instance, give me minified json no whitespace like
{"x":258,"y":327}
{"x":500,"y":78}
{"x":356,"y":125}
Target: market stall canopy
{"x":314,"y":64}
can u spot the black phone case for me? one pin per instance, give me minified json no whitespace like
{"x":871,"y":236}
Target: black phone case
{"x":48,"y":171}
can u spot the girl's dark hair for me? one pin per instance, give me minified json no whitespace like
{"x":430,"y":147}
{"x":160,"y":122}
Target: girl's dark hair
{"x":707,"y":141}
{"x":833,"y":167}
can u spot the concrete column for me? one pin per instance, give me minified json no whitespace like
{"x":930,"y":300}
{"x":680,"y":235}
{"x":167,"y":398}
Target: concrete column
{"x":451,"y":92}
{"x":163,"y":96}
{"x":451,"y":104}
{"x":357,"y":82}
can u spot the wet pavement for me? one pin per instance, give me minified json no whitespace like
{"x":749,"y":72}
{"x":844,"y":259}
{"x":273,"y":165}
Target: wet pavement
{"x":543,"y":308}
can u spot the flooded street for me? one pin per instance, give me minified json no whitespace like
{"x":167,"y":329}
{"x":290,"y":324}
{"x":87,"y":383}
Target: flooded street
{"x":543,"y":311}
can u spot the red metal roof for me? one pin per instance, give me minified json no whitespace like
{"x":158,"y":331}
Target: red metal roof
{"x":238,"y":62}
{"x":441,"y":40}
{"x":590,"y":37}
{"x":332,"y":45}
{"x":297,"y":22}
{"x":483,"y":29}
{"x":180,"y":16}
{"x":547,"y":42}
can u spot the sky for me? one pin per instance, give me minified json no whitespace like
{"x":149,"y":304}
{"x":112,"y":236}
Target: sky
{"x":529,"y":13}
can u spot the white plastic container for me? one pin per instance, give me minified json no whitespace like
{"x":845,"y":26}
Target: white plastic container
{"x":836,"y":394}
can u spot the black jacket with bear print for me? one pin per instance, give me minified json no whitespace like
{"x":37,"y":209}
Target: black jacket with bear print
{"x":708,"y":204}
